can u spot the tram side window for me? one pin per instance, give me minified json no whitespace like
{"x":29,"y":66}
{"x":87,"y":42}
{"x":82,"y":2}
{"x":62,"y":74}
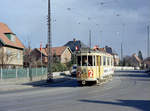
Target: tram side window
{"x":112,"y":61}
{"x":90,"y":61}
{"x":100,"y":60}
{"x":104,"y":60}
{"x":79,"y":60}
{"x":94,"y":64}
{"x":108,"y":61}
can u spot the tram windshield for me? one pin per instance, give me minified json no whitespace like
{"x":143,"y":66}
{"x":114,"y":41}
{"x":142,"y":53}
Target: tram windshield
{"x":85,"y":60}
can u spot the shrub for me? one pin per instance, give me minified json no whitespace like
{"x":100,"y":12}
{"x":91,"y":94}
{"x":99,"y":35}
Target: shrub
{"x":58,"y":67}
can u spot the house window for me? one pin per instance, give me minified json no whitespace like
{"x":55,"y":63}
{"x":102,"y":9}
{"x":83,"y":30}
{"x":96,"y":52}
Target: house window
{"x":18,"y":55}
{"x":11,"y":36}
{"x":8,"y":52}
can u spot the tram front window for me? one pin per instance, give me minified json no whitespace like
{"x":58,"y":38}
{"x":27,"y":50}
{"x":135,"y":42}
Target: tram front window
{"x":79,"y":60}
{"x":84,"y":61}
{"x":90,"y":61}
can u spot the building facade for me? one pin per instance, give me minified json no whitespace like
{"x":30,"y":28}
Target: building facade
{"x":11,"y":48}
{"x":60,"y":54}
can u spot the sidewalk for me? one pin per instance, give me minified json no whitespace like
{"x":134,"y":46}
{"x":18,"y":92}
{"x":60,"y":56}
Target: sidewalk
{"x":20,"y":85}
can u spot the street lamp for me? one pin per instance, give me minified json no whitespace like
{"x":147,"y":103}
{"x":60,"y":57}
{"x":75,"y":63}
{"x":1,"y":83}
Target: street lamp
{"x":121,"y":46}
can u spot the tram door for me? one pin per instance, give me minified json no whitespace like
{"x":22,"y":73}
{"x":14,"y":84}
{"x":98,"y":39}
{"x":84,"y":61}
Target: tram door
{"x":98,"y":65}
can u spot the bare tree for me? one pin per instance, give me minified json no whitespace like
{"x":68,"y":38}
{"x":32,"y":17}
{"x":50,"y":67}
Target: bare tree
{"x":6,"y":57}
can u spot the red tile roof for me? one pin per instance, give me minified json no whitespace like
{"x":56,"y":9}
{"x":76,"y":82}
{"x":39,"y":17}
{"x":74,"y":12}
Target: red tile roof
{"x":5,"y":29}
{"x":55,"y":50}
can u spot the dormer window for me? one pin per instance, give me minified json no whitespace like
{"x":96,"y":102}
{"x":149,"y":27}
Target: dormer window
{"x":11,"y":36}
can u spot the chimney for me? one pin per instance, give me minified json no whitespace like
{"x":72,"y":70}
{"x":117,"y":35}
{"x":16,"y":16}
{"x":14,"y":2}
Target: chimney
{"x":46,"y":45}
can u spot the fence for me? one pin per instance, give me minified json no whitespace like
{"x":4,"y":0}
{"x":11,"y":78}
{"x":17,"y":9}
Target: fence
{"x":22,"y":73}
{"x":119,"y":68}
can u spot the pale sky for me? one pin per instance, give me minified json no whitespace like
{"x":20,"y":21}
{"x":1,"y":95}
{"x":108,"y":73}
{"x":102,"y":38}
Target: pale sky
{"x":111,"y":22}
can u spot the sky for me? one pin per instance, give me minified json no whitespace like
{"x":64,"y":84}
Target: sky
{"x":111,"y":22}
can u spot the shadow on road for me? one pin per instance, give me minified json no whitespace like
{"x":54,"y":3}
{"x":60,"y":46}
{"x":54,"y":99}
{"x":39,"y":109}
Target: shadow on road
{"x":61,"y":83}
{"x":140,"y":74}
{"x":72,"y":82}
{"x":138,"y":104}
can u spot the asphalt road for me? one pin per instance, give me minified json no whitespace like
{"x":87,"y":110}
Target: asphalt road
{"x":128,"y":91}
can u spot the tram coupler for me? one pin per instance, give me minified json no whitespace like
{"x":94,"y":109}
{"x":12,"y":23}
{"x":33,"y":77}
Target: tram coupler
{"x":83,"y":82}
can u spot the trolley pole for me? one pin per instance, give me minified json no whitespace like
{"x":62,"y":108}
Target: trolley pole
{"x":89,"y":40}
{"x":50,"y":59}
{"x":148,"y":51}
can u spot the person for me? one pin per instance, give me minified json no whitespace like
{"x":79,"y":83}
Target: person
{"x":85,"y":62}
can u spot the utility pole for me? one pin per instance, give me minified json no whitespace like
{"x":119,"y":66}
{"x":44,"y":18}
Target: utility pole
{"x":100,"y":40}
{"x":90,"y":39}
{"x":148,"y":53}
{"x":121,"y":51}
{"x":50,"y":59}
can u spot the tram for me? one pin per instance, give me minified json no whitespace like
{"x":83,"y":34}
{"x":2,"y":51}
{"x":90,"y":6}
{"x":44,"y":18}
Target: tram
{"x":94,"y":66}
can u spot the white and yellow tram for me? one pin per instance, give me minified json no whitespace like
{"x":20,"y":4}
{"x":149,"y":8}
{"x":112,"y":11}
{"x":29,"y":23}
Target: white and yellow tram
{"x":94,"y":66}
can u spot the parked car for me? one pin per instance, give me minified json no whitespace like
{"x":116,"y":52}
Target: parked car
{"x":73,"y":70}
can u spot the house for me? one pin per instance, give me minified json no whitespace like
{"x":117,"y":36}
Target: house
{"x":114,"y":54}
{"x":136,"y":61}
{"x":75,"y":44}
{"x":11,"y":48}
{"x":146,"y":63}
{"x":132,"y":61}
{"x":60,"y":54}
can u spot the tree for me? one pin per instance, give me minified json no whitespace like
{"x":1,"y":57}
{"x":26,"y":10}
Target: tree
{"x":140,"y":55}
{"x":127,"y":61}
{"x":6,"y":57}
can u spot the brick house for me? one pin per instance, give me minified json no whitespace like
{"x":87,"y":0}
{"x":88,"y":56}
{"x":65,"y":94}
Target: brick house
{"x":61,"y":54}
{"x":11,"y":48}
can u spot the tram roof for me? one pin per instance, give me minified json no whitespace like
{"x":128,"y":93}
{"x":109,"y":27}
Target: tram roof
{"x":90,"y":51}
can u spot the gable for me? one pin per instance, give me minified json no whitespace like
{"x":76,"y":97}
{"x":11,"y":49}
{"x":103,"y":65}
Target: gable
{"x":11,"y":37}
{"x":8,"y":38}
{"x":67,"y":50}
